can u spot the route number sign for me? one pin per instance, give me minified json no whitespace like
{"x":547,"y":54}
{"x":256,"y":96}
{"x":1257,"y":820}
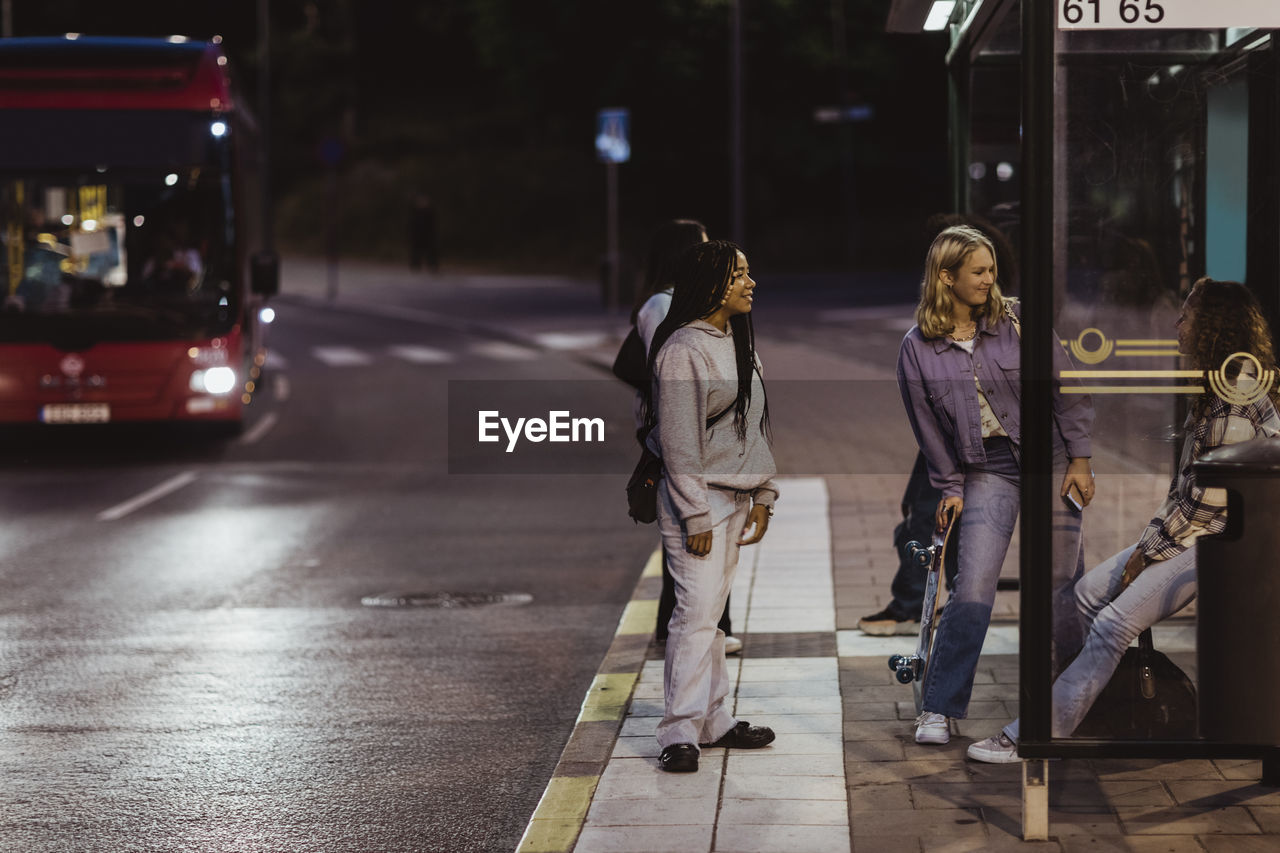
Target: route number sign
{"x":1167,"y":14}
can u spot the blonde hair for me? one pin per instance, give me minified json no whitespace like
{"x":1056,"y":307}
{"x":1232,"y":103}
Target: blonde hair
{"x":949,"y":250}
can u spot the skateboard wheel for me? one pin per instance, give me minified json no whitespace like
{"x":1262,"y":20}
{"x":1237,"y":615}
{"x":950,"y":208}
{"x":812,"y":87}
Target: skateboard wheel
{"x":895,"y":661}
{"x":905,"y":675}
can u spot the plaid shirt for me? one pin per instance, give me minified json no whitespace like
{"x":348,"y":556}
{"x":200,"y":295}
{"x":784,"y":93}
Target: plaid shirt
{"x":1189,"y":511}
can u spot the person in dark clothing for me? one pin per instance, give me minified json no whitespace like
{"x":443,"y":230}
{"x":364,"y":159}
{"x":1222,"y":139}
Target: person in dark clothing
{"x":902,"y":615}
{"x":423,"y":247}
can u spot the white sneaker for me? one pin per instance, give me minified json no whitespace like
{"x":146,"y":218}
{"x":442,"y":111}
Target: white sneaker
{"x":933,"y":728}
{"x":732,"y":645}
{"x":997,"y":749}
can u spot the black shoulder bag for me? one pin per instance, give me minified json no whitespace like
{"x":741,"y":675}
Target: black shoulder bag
{"x":631,"y":364}
{"x":1149,"y":698}
{"x":642,"y":488}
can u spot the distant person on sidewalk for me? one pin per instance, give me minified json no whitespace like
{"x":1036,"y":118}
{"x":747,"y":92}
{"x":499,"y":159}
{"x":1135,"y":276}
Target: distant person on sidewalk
{"x":902,"y":615}
{"x":717,"y":491}
{"x":1134,"y":589}
{"x":959,"y":372}
{"x":652,"y":303}
{"x":423,"y":244}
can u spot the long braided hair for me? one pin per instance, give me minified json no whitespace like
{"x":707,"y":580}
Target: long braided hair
{"x":702,"y":275}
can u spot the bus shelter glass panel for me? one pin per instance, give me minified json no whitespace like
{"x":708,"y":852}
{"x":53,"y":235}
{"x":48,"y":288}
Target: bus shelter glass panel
{"x":1165,"y":150}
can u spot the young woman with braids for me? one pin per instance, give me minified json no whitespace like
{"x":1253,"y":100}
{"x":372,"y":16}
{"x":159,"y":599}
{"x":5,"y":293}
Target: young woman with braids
{"x":1141,"y":585}
{"x":708,"y":409}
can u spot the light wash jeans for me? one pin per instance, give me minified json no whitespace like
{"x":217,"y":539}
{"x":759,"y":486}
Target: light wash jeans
{"x":696,"y":681}
{"x":991,"y":502}
{"x":1115,"y":619}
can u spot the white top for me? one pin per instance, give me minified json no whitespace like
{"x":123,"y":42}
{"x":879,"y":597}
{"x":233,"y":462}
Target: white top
{"x":651,"y":315}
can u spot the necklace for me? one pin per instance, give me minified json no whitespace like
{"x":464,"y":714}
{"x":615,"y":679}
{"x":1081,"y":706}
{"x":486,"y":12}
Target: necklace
{"x":964,"y":336}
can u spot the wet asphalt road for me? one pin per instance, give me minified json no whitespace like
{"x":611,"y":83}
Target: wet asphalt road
{"x":195,"y":670}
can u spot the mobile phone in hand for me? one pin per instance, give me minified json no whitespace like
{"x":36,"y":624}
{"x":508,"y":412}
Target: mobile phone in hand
{"x":1073,"y":499}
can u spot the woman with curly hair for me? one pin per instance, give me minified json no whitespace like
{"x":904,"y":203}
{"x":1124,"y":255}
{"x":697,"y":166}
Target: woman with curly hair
{"x":1155,"y":578}
{"x":960,"y":374}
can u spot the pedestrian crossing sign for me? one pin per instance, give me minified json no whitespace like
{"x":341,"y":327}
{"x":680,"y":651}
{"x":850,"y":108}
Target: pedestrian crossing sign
{"x":613,"y":129}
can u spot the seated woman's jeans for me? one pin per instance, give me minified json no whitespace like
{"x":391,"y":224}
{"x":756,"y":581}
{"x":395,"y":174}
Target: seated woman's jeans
{"x":1115,"y":620}
{"x":991,"y":502}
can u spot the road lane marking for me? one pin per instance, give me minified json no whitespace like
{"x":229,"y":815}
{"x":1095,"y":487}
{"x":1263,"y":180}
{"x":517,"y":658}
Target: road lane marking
{"x":261,"y":428}
{"x":503,"y":351}
{"x":342,"y":356}
{"x":420,"y":354}
{"x":152,"y":495}
{"x":570,"y":340}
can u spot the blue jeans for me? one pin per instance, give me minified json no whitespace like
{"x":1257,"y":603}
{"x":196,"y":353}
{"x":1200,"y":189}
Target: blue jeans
{"x":1115,"y":619}
{"x":991,"y":502}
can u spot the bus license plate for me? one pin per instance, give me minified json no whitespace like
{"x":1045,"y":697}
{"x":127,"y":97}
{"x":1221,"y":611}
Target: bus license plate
{"x":76,"y":413}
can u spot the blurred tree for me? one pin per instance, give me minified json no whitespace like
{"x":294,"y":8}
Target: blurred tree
{"x":489,"y":105}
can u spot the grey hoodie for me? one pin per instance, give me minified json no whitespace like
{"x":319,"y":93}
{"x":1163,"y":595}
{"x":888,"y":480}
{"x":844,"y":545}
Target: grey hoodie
{"x":696,"y":378}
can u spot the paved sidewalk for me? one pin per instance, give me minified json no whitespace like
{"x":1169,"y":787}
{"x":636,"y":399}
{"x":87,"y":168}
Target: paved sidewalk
{"x":845,"y":773}
{"x":885,"y":793}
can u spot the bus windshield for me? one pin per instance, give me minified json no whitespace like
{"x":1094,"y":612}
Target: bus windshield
{"x":115,"y":228}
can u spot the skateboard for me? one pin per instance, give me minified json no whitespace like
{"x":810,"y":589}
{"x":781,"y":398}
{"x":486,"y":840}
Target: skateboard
{"x":911,"y":669}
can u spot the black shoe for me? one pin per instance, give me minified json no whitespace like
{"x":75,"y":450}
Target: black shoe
{"x":744,"y":736}
{"x":680,"y":758}
{"x":888,"y":623}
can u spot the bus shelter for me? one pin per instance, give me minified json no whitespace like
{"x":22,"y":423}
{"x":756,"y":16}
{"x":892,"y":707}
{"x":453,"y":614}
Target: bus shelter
{"x":1125,"y":148}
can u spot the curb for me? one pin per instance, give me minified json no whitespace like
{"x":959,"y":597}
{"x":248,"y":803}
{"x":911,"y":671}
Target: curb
{"x":562,"y":811}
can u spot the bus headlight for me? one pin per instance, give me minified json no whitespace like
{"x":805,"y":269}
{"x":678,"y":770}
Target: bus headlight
{"x":213,"y":380}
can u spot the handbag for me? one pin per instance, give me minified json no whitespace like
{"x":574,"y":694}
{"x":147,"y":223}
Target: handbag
{"x":1148,"y":698}
{"x":642,"y":487}
{"x":631,"y":364}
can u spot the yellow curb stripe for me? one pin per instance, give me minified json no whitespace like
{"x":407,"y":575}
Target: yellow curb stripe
{"x":608,"y":697}
{"x":560,"y":814}
{"x":653,"y":568}
{"x":638,"y":618}
{"x":562,"y":811}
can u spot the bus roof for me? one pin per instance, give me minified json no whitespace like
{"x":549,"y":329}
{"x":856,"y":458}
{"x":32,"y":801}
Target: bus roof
{"x":87,"y":72}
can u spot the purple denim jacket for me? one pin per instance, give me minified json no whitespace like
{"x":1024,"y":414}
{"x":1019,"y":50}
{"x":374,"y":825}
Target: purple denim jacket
{"x":936,"y":378}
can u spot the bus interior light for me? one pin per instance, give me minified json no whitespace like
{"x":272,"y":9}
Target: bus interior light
{"x":218,"y":129}
{"x":171,"y":179}
{"x":939,"y":15}
{"x":267,"y":315}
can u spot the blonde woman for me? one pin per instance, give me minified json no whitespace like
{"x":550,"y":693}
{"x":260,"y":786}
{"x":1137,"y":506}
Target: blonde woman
{"x":959,"y":371}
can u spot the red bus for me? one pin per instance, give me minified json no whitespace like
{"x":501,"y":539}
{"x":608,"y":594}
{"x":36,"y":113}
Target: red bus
{"x":134,"y":275}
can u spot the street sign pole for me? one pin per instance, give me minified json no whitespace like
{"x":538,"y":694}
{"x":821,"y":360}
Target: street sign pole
{"x":611,"y":193}
{"x":613,"y":146}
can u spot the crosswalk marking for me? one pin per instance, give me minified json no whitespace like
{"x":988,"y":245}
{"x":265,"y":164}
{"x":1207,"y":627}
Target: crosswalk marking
{"x":342,"y":356}
{"x":421,"y":355}
{"x":497,"y":350}
{"x":571,"y":340}
{"x":503,"y":351}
